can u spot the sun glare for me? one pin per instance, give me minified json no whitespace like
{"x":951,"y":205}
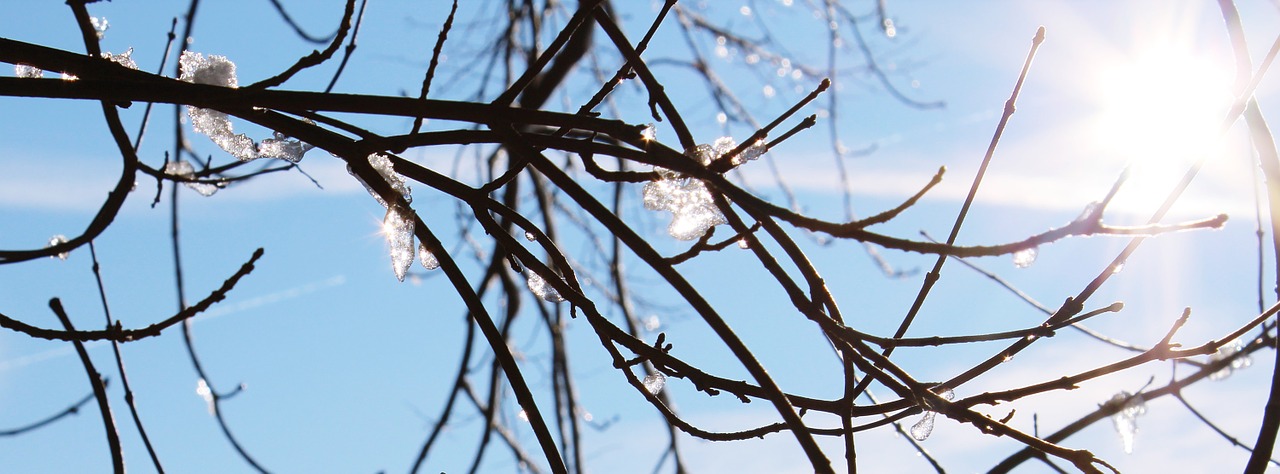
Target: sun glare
{"x":1160,"y":112}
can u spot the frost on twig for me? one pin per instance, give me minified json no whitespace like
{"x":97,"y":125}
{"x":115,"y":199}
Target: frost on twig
{"x":183,"y":169}
{"x":219,"y":71}
{"x":1126,"y":420}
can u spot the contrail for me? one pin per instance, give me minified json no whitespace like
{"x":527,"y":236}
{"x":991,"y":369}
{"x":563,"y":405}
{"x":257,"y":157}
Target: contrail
{"x":215,"y":312}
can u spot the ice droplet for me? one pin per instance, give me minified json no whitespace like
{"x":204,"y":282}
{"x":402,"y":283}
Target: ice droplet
{"x":1125,"y":420}
{"x":27,"y":72}
{"x":58,"y":240}
{"x":205,"y":393}
{"x":123,"y":59}
{"x":542,"y":289}
{"x":100,"y":25}
{"x":398,"y":228}
{"x":183,"y":169}
{"x":530,"y":237}
{"x":427,"y":258}
{"x":1025,"y":257}
{"x":923,"y":428}
{"x":1227,"y":352}
{"x":653,"y":383}
{"x":744,"y":244}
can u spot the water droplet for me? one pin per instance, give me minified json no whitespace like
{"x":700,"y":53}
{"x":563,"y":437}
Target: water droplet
{"x":100,"y":25}
{"x":1025,"y":257}
{"x":652,"y":323}
{"x":530,"y":237}
{"x":745,"y":10}
{"x":923,"y":428}
{"x":890,"y":31}
{"x":721,"y":118}
{"x":743,"y":243}
{"x":397,"y":226}
{"x":58,"y":240}
{"x":768,"y":91}
{"x":654,"y":382}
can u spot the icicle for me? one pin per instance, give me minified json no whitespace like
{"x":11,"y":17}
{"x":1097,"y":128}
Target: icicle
{"x":654,"y":382}
{"x":427,"y":258}
{"x":27,"y":72}
{"x":123,"y":59}
{"x":923,"y":428}
{"x":398,"y":227}
{"x":1227,"y":352}
{"x":1125,"y":420}
{"x":1025,"y":257}
{"x":543,"y":290}
{"x":205,"y":393}
{"x":59,"y":240}
{"x":183,"y":169}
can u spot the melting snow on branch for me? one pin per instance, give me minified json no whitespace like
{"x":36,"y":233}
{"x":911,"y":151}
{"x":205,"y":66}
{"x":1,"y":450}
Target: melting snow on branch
{"x":27,"y":72}
{"x":398,"y":227}
{"x":427,"y":258}
{"x":219,"y":71}
{"x":653,"y":383}
{"x":124,"y":59}
{"x":58,"y":240}
{"x":183,"y":169}
{"x":1126,"y":420}
{"x":693,"y":211}
{"x":688,"y":199}
{"x":382,"y":164}
{"x":1228,"y":351}
{"x":542,"y":289}
{"x":1024,"y":258}
{"x":923,"y":428}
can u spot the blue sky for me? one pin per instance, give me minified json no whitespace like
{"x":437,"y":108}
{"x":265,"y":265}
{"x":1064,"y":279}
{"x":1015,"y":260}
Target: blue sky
{"x":346,"y":368}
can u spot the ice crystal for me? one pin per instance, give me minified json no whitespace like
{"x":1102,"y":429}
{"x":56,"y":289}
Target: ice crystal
{"x":693,"y":211}
{"x":542,"y":289}
{"x":210,"y":70}
{"x":1229,"y":351}
{"x":427,"y":258}
{"x":923,"y":428}
{"x":397,"y":226}
{"x":100,"y":26}
{"x":27,"y":72}
{"x":206,"y":393}
{"x":124,"y":59}
{"x":653,"y":383}
{"x":183,"y":169}
{"x":58,"y":240}
{"x":1126,"y":420}
{"x":1025,"y":257}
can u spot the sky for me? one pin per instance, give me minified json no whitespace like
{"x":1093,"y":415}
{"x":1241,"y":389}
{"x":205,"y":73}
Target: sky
{"x":345,"y":368}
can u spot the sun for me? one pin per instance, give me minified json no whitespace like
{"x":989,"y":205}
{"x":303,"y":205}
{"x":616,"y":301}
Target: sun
{"x":1160,"y":111}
